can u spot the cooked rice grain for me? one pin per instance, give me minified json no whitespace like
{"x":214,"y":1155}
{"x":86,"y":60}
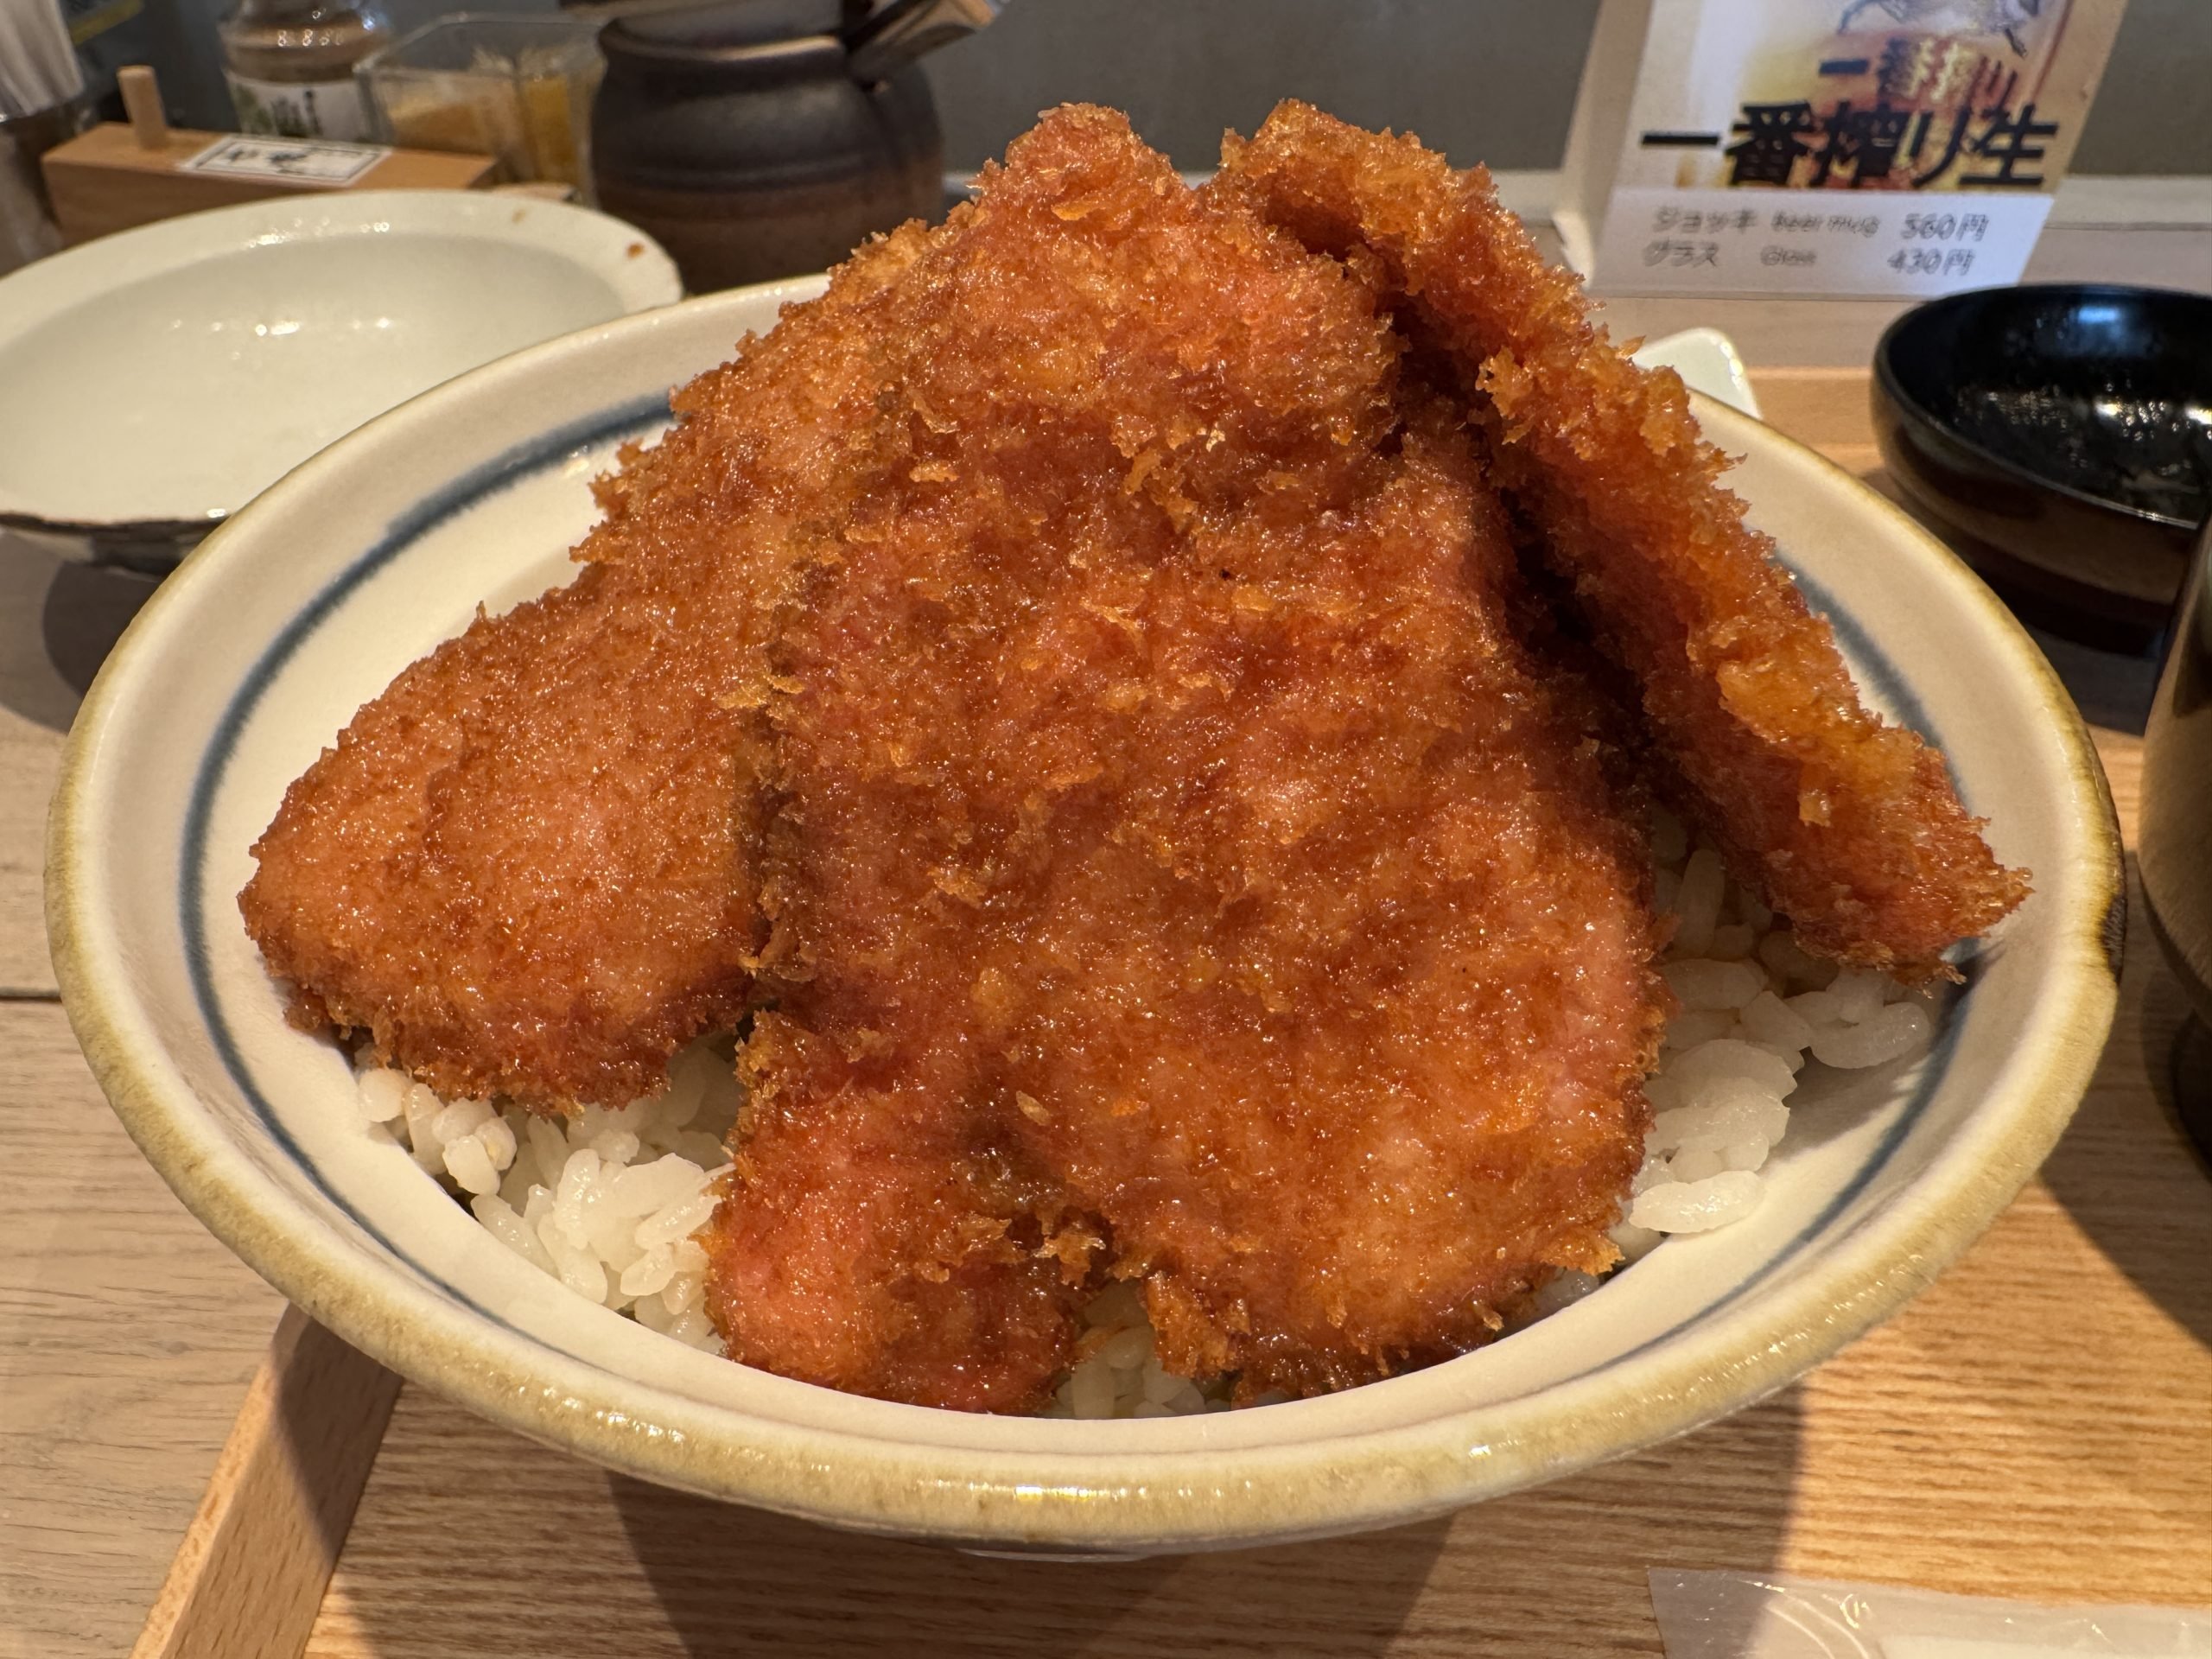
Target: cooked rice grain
{"x":606,"y":1202}
{"x":1751,"y":1012}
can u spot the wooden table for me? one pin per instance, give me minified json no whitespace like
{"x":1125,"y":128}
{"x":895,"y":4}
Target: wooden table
{"x":2039,"y":1423}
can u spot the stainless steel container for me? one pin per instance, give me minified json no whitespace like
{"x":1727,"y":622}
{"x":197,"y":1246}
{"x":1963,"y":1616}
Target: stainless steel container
{"x":2174,"y":850}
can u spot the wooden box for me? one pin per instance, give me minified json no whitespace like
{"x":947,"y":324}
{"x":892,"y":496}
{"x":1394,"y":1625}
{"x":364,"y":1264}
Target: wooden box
{"x":109,"y":179}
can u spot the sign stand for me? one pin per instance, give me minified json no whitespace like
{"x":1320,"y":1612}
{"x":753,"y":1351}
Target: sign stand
{"x":1834,"y":148}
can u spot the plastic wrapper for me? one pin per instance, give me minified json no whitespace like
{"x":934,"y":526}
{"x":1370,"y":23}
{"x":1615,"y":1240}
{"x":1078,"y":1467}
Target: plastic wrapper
{"x":1774,"y":1616}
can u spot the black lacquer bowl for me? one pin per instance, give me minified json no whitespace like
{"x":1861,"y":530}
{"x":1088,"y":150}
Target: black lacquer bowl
{"x":2061,"y":433}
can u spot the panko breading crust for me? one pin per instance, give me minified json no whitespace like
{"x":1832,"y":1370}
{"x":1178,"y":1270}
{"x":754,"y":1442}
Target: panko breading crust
{"x":525,"y":868}
{"x":1164,"y":802}
{"x":1848,"y":826}
{"x":1077,"y":689}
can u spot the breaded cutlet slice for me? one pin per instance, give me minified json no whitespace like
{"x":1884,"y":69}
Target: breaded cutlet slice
{"x":524,"y":869}
{"x":1170,"y":821}
{"x":1848,"y":826}
{"x":885,"y":1239}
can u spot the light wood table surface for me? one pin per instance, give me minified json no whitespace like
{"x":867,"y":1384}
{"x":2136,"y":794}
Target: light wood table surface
{"x":2039,"y":1423}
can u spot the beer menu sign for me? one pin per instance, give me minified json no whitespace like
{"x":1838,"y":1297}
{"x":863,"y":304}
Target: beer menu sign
{"x":1825,"y":146}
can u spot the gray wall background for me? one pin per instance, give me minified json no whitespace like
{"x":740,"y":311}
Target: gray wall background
{"x":1483,"y":80}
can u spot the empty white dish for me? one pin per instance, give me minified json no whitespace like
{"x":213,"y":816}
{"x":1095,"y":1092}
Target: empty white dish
{"x":155,"y":381}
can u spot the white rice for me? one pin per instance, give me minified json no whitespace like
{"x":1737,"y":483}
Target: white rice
{"x":609,"y":1202}
{"x":1754,"y":1006}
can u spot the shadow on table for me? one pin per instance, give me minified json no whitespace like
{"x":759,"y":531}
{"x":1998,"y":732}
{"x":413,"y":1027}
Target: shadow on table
{"x":86,"y":611}
{"x":58,"y":622}
{"x":1560,"y":1569}
{"x":814,"y":1591}
{"x":2112,"y":689}
{"x":2151,"y":1218}
{"x":468,"y":1538}
{"x":2111,"y":685}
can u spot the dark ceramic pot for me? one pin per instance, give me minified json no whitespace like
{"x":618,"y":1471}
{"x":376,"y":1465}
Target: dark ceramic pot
{"x":743,"y":139}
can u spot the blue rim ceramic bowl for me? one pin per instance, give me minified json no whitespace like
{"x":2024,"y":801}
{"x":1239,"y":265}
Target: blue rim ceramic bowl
{"x":253,"y":655}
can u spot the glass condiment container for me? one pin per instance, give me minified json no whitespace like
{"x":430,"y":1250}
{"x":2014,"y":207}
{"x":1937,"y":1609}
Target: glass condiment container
{"x":519,"y":89}
{"x":290,"y":65}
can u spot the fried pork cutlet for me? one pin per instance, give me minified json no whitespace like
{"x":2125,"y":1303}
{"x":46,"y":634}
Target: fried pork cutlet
{"x":887,"y":1241}
{"x":524,"y":869}
{"x":1169,"y":827}
{"x":1848,"y":826}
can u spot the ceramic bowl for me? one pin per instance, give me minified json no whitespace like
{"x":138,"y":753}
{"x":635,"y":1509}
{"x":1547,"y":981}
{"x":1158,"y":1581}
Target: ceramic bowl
{"x":2060,"y":433}
{"x":260,"y":648}
{"x":153,"y":381}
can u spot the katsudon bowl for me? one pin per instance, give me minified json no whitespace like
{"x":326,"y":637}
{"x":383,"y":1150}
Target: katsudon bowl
{"x":251,"y":658}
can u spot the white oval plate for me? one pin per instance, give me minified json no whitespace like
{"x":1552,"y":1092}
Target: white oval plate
{"x":260,"y":648}
{"x":171,"y":372}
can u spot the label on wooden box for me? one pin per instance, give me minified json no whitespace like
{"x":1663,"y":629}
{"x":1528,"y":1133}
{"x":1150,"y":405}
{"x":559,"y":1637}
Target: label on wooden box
{"x":1841,"y":147}
{"x":290,"y":160}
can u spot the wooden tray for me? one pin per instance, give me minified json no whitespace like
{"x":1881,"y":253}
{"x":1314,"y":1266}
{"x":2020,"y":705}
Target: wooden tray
{"x":2039,"y":1425}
